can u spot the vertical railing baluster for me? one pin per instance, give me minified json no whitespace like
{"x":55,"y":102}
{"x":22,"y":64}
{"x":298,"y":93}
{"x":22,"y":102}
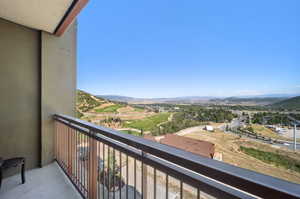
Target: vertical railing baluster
{"x":144,"y":176}
{"x":69,"y":153}
{"x":59,"y":144}
{"x":62,"y":146}
{"x":181,"y":193}
{"x":167,"y":186}
{"x":72,"y":153}
{"x":103,"y":172}
{"x":120,"y":180}
{"x":134,"y":178}
{"x":127,"y":176}
{"x":85,"y":164}
{"x":55,"y":134}
{"x":61,"y":135}
{"x":92,"y":168}
{"x":57,"y":138}
{"x":142,"y":179}
{"x":198,"y":193}
{"x":66,"y":148}
{"x":81,"y":163}
{"x":76,"y":160}
{"x":154,"y":182}
{"x":113,"y":172}
{"x":108,"y":171}
{"x":99,"y":169}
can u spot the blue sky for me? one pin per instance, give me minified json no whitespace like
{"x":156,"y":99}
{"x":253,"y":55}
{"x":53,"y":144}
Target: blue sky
{"x":169,"y":48}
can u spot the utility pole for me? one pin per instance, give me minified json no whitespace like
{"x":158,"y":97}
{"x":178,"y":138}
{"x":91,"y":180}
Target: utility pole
{"x":249,"y":118}
{"x":295,"y":122}
{"x":295,"y":139}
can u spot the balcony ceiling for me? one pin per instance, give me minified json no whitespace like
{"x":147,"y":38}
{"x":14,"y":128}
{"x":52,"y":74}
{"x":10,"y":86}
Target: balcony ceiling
{"x":46,"y":15}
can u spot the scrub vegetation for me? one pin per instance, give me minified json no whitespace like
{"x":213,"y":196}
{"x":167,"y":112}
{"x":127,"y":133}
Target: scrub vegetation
{"x":273,"y":158}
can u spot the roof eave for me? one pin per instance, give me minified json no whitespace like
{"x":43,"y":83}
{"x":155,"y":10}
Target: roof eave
{"x":70,"y":16}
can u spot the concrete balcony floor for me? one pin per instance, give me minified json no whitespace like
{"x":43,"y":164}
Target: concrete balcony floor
{"x":48,"y":182}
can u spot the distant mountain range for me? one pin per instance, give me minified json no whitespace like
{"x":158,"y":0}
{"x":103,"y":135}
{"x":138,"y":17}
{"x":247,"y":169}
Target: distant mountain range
{"x":291,"y":103}
{"x":239,"y":100}
{"x":133,"y":100}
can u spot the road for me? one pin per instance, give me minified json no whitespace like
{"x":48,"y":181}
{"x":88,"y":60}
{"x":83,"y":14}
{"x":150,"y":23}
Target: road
{"x":237,"y":122}
{"x":285,"y":144}
{"x":189,"y":130}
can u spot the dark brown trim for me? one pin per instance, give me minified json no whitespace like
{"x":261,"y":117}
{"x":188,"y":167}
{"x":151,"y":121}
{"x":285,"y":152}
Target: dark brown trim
{"x":70,"y":15}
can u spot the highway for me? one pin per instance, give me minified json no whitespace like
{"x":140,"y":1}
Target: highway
{"x":237,"y":122}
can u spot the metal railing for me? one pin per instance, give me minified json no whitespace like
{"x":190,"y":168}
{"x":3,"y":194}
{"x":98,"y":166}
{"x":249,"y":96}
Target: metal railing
{"x":103,"y":163}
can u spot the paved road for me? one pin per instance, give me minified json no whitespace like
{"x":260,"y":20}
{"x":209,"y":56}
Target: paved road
{"x":189,"y":130}
{"x":286,"y":144}
{"x":237,"y":122}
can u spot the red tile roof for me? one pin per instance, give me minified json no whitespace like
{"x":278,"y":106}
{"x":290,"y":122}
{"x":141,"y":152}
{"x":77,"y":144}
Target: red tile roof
{"x":197,"y":147}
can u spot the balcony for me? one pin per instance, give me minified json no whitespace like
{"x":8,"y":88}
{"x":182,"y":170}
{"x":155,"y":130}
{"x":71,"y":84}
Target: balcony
{"x":48,"y":182}
{"x":103,"y":163}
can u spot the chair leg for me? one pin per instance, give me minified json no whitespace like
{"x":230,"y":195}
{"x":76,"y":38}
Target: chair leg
{"x":0,"y":177}
{"x":23,"y":172}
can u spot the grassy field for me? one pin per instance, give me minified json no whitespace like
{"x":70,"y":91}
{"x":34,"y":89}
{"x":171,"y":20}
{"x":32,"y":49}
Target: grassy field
{"x":110,"y":109}
{"x":131,"y":132}
{"x":139,"y":109}
{"x":273,"y":158}
{"x":148,"y":123}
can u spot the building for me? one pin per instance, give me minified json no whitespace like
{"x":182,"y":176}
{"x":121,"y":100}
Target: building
{"x":209,"y":128}
{"x":198,"y":147}
{"x":37,"y":77}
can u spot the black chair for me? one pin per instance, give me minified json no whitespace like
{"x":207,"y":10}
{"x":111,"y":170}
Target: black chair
{"x":13,"y":162}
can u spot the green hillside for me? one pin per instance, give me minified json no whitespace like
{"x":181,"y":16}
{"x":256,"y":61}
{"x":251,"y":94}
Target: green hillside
{"x":86,"y":101}
{"x":291,"y":104}
{"x":110,"y":109}
{"x":149,"y":123}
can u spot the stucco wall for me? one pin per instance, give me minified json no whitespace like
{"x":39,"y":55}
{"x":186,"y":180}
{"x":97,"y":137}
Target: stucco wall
{"x":37,"y":80}
{"x":58,"y":84}
{"x":19,"y":93}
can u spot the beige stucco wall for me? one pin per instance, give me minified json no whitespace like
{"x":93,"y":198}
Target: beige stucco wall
{"x":58,"y":84}
{"x":19,"y":93}
{"x":37,"y":80}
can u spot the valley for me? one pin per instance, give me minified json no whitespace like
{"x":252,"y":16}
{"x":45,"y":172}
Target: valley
{"x":256,"y":137}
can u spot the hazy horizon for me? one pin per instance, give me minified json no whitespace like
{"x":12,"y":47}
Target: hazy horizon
{"x":162,"y":49}
{"x":275,"y":95}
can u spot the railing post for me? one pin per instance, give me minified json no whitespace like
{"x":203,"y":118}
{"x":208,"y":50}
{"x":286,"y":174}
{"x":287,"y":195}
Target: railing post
{"x":144,"y":177}
{"x":92,"y":169}
{"x":55,"y":139}
{"x":69,"y":142}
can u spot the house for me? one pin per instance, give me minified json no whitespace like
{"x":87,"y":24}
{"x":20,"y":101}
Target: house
{"x":198,"y":147}
{"x":209,"y":128}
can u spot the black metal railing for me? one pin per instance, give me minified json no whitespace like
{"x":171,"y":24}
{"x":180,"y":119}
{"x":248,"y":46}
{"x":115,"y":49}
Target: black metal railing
{"x":104,"y":163}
